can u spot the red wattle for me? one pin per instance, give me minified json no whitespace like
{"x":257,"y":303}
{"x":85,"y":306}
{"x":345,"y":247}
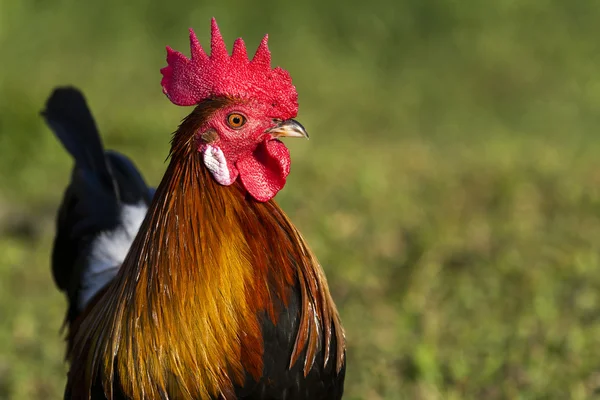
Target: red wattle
{"x":263,"y":173}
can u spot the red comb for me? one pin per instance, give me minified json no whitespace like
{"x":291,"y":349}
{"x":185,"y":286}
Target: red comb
{"x":189,"y":81}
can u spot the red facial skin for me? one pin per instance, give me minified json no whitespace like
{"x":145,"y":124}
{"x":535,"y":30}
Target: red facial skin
{"x":261,"y":161}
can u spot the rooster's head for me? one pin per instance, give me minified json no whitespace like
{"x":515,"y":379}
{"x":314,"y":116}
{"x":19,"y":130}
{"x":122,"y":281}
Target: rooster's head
{"x":257,"y":105}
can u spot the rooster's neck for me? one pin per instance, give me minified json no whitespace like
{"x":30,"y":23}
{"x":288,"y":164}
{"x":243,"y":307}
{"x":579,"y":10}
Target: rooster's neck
{"x":182,"y":316}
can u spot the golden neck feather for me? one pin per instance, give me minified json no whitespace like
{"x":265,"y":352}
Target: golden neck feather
{"x":181,"y":315}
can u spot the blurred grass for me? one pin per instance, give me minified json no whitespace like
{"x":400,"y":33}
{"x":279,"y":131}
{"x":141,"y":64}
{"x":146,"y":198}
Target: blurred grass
{"x":451,"y":186}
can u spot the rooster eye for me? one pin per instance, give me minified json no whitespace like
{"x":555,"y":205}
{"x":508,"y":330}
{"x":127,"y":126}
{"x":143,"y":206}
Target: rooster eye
{"x":235,"y":120}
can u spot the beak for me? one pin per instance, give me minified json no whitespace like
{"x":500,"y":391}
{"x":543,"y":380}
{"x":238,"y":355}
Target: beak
{"x":288,"y":128}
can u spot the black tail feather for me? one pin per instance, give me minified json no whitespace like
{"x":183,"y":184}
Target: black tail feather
{"x":69,"y":117}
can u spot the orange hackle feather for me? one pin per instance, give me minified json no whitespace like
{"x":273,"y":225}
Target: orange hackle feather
{"x":181,"y":317}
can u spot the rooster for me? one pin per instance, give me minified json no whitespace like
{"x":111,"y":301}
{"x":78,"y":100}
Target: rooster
{"x":202,"y":288}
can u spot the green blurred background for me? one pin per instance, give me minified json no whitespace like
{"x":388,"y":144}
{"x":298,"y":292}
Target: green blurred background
{"x":451,"y":186}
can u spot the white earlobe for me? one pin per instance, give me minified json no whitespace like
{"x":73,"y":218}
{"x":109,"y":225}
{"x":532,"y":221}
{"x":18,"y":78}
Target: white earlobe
{"x":215,"y":161}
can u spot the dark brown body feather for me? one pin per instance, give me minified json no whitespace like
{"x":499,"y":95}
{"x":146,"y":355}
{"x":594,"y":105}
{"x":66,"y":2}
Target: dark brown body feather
{"x":219,"y":296}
